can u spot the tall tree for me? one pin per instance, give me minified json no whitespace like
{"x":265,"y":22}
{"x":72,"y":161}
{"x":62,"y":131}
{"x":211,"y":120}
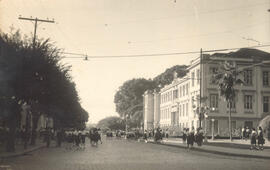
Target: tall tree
{"x":227,"y":77}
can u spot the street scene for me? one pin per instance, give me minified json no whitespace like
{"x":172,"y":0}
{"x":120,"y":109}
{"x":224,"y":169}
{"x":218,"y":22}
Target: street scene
{"x":121,"y":154}
{"x":153,"y":84}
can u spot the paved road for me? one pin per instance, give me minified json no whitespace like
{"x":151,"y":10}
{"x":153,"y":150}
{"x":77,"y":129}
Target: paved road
{"x":115,"y":154}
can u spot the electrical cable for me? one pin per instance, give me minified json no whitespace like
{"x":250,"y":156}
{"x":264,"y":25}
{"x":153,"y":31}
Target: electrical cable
{"x":155,"y":54}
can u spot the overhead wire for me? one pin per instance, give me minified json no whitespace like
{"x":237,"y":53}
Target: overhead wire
{"x":155,"y":54}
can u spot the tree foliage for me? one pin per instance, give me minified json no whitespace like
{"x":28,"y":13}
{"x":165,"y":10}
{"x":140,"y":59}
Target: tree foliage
{"x":226,"y":78}
{"x":168,"y":76}
{"x":36,"y":76}
{"x":113,"y":123}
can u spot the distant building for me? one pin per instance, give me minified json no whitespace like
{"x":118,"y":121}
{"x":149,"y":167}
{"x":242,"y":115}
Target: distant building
{"x":148,"y":110}
{"x":180,"y":100}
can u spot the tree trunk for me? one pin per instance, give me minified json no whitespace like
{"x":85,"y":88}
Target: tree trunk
{"x":230,"y":121}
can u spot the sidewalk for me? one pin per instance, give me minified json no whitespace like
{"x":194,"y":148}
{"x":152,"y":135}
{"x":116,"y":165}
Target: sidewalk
{"x":19,"y":150}
{"x":238,"y":148}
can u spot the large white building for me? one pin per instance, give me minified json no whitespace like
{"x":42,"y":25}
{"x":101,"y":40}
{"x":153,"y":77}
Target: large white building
{"x":180,"y":100}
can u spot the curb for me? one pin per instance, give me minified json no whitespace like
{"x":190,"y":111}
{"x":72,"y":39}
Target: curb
{"x":22,"y":152}
{"x":213,"y":151}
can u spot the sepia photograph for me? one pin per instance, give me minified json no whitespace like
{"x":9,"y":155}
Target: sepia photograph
{"x":134,"y":84}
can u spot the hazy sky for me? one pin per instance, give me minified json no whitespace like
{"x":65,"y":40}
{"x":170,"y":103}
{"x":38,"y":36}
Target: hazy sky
{"x":125,"y":27}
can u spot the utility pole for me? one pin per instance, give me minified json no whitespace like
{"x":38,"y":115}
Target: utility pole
{"x":35,"y":20}
{"x":200,"y":79}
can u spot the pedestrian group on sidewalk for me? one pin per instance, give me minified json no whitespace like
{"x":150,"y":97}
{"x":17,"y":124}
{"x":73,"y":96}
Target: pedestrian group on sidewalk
{"x":256,"y":137}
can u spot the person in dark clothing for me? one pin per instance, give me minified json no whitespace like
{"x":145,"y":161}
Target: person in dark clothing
{"x":48,"y":135}
{"x":199,"y":137}
{"x":158,"y":135}
{"x":260,"y":138}
{"x":59,"y":137}
{"x":167,"y":134}
{"x":83,"y":136}
{"x":145,"y":136}
{"x":190,"y":138}
{"x":184,"y":135}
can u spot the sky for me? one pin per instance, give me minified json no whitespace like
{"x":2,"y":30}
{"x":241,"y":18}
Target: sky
{"x":131,"y":27}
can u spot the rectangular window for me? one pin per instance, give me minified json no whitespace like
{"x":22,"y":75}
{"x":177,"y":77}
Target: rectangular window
{"x":187,"y":89}
{"x":192,"y":78}
{"x":248,"y":102}
{"x":266,"y":78}
{"x":175,"y":94}
{"x":213,"y":71}
{"x":180,"y":110}
{"x":180,"y":90}
{"x":266,"y":104}
{"x":184,"y":90}
{"x":198,"y":76}
{"x":248,"y":77}
{"x":214,"y":101}
{"x":183,"y":109}
{"x":186,"y":109}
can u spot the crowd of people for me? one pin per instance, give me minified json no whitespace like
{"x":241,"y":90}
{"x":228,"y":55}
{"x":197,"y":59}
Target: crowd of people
{"x":256,"y":139}
{"x":191,"y":136}
{"x":75,"y":139}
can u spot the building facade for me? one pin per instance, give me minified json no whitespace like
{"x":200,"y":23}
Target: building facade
{"x":180,"y":101}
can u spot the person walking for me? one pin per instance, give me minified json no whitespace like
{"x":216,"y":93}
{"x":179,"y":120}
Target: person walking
{"x":145,"y":136}
{"x":83,"y":136}
{"x":248,"y":132}
{"x":253,"y":136}
{"x":190,"y":137}
{"x":184,"y":135}
{"x":243,"y":133}
{"x":167,"y":134}
{"x":199,"y":136}
{"x":150,"y":134}
{"x":59,"y":137}
{"x":47,"y":137}
{"x":260,"y":138}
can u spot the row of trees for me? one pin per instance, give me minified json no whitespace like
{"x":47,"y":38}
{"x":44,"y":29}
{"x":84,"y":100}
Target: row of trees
{"x":36,"y":77}
{"x":129,"y":97}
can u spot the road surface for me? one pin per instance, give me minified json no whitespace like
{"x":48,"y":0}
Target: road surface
{"x":121,"y":154}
